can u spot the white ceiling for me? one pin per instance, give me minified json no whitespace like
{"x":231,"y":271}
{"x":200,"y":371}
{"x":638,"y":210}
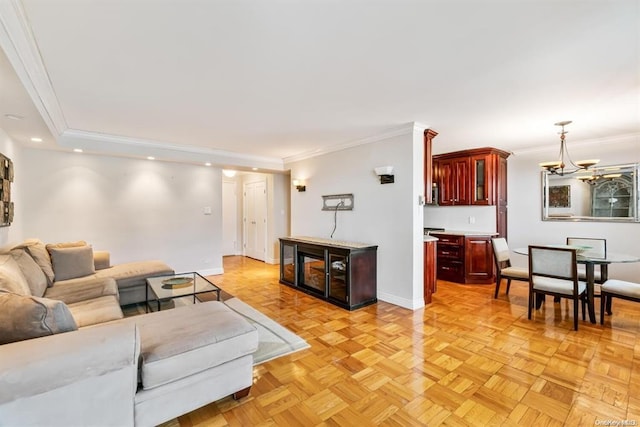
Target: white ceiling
{"x":255,"y":82}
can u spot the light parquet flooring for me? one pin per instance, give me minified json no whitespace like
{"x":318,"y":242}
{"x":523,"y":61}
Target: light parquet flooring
{"x":466,"y":359}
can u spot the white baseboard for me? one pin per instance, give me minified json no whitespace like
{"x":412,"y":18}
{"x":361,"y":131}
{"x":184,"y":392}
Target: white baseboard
{"x":402,"y":302}
{"x":211,"y":271}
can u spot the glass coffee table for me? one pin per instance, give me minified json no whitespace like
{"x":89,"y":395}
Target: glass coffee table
{"x":169,"y":287}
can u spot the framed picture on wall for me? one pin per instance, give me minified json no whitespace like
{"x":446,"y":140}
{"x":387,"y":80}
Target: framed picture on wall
{"x":6,"y":177}
{"x":560,"y":196}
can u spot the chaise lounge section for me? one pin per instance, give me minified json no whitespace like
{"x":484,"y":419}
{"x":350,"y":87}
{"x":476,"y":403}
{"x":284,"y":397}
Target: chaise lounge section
{"x":70,"y":358}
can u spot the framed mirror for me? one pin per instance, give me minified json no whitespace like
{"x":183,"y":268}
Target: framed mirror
{"x":605,"y":193}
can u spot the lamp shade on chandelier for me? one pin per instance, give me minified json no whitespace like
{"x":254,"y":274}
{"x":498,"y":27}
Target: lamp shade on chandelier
{"x":556,"y":167}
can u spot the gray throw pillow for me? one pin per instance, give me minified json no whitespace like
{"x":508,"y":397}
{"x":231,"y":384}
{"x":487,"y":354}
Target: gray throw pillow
{"x":71,"y":262}
{"x":11,"y":277}
{"x":38,"y":252}
{"x":25,"y":317}
{"x":31,"y":271}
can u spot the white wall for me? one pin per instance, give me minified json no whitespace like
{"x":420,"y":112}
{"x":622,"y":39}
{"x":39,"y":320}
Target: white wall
{"x":136,"y":209}
{"x":385,"y":215}
{"x":461,"y":218}
{"x":13,"y":151}
{"x":525,"y":223}
{"x":231,"y":218}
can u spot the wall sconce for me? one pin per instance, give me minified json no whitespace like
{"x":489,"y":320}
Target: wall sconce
{"x":300,"y":185}
{"x":385,"y":173}
{"x":229,"y":173}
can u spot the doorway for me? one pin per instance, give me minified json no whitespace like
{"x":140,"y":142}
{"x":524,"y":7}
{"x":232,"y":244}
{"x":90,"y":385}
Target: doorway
{"x":255,"y":219}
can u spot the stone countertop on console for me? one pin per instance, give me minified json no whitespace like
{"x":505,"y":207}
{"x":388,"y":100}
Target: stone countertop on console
{"x":464,"y":233}
{"x":330,"y":242}
{"x":430,"y":238}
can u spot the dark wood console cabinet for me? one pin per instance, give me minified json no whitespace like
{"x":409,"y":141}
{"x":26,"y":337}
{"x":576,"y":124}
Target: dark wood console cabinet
{"x":464,"y":259}
{"x":341,"y":273}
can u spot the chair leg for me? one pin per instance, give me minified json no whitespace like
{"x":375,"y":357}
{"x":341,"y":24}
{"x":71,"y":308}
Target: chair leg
{"x":603,"y":297}
{"x":584,"y":303}
{"x":609,"y":299}
{"x":530,"y":305}
{"x":539,"y":300}
{"x":498,"y":280}
{"x":575,"y":315}
{"x":508,"y":285}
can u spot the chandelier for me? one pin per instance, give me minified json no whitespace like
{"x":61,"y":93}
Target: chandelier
{"x":556,"y":167}
{"x":593,"y":178}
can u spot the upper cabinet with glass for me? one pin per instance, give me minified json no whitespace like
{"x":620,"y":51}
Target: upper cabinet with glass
{"x":606,"y":193}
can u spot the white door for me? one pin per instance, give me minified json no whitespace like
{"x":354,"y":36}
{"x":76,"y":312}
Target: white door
{"x":255,"y":220}
{"x":229,"y":218}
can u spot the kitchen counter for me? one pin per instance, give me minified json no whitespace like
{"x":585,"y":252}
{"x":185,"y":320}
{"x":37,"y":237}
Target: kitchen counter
{"x":464,"y":233}
{"x":430,"y":239}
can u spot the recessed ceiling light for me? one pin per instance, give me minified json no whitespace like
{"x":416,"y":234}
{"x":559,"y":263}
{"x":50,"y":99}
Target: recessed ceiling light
{"x":77,"y":150}
{"x":207,"y":164}
{"x":36,"y":139}
{"x":13,"y":117}
{"x":254,"y":169}
{"x":151,"y":158}
{"x":229,"y":173}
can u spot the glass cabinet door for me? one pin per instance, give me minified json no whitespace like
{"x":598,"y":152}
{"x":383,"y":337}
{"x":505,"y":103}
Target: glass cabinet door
{"x":287,"y":265}
{"x":481,"y":189}
{"x":338,"y":277}
{"x":312,"y":275}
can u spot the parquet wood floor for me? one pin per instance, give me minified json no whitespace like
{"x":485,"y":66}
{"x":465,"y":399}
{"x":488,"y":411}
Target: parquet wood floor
{"x":466,"y":359}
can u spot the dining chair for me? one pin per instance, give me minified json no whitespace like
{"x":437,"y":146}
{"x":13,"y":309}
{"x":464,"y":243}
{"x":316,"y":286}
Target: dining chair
{"x":504,"y":269}
{"x":554,"y":271}
{"x":598,"y":250}
{"x":617,"y":289}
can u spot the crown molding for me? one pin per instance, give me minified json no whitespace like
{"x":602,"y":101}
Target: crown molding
{"x":405,"y":129}
{"x":127,"y":146}
{"x":18,"y":43}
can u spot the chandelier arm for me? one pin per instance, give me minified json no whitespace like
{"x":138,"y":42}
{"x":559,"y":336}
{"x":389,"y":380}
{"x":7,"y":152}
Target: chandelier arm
{"x":568,"y":156}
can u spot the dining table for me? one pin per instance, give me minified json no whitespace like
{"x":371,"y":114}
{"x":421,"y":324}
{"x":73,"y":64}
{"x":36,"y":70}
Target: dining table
{"x":590,"y":263}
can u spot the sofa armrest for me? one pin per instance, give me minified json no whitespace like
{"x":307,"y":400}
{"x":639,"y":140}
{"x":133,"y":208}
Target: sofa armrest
{"x":101,"y":260}
{"x":74,"y":378}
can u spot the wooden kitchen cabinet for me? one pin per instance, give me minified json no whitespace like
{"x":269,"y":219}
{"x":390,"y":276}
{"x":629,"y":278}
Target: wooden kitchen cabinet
{"x":429,"y":134}
{"x":464,"y":259}
{"x":475,"y":177}
{"x":430,"y":270}
{"x":450,"y":259}
{"x":452,"y":179}
{"x":478,"y":255}
{"x":470,"y":177}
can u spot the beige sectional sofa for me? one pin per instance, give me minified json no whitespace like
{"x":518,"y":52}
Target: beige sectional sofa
{"x":68,"y":357}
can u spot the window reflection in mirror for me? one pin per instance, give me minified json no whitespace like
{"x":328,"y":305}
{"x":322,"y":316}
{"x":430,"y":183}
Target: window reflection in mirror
{"x":606,"y":193}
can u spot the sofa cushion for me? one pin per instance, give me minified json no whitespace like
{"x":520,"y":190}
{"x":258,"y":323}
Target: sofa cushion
{"x":31,"y":271}
{"x":71,"y":262}
{"x":40,"y":255}
{"x":85,"y":288}
{"x":187,"y":340}
{"x":24,"y":317}
{"x":96,"y":310}
{"x":11,"y":277}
